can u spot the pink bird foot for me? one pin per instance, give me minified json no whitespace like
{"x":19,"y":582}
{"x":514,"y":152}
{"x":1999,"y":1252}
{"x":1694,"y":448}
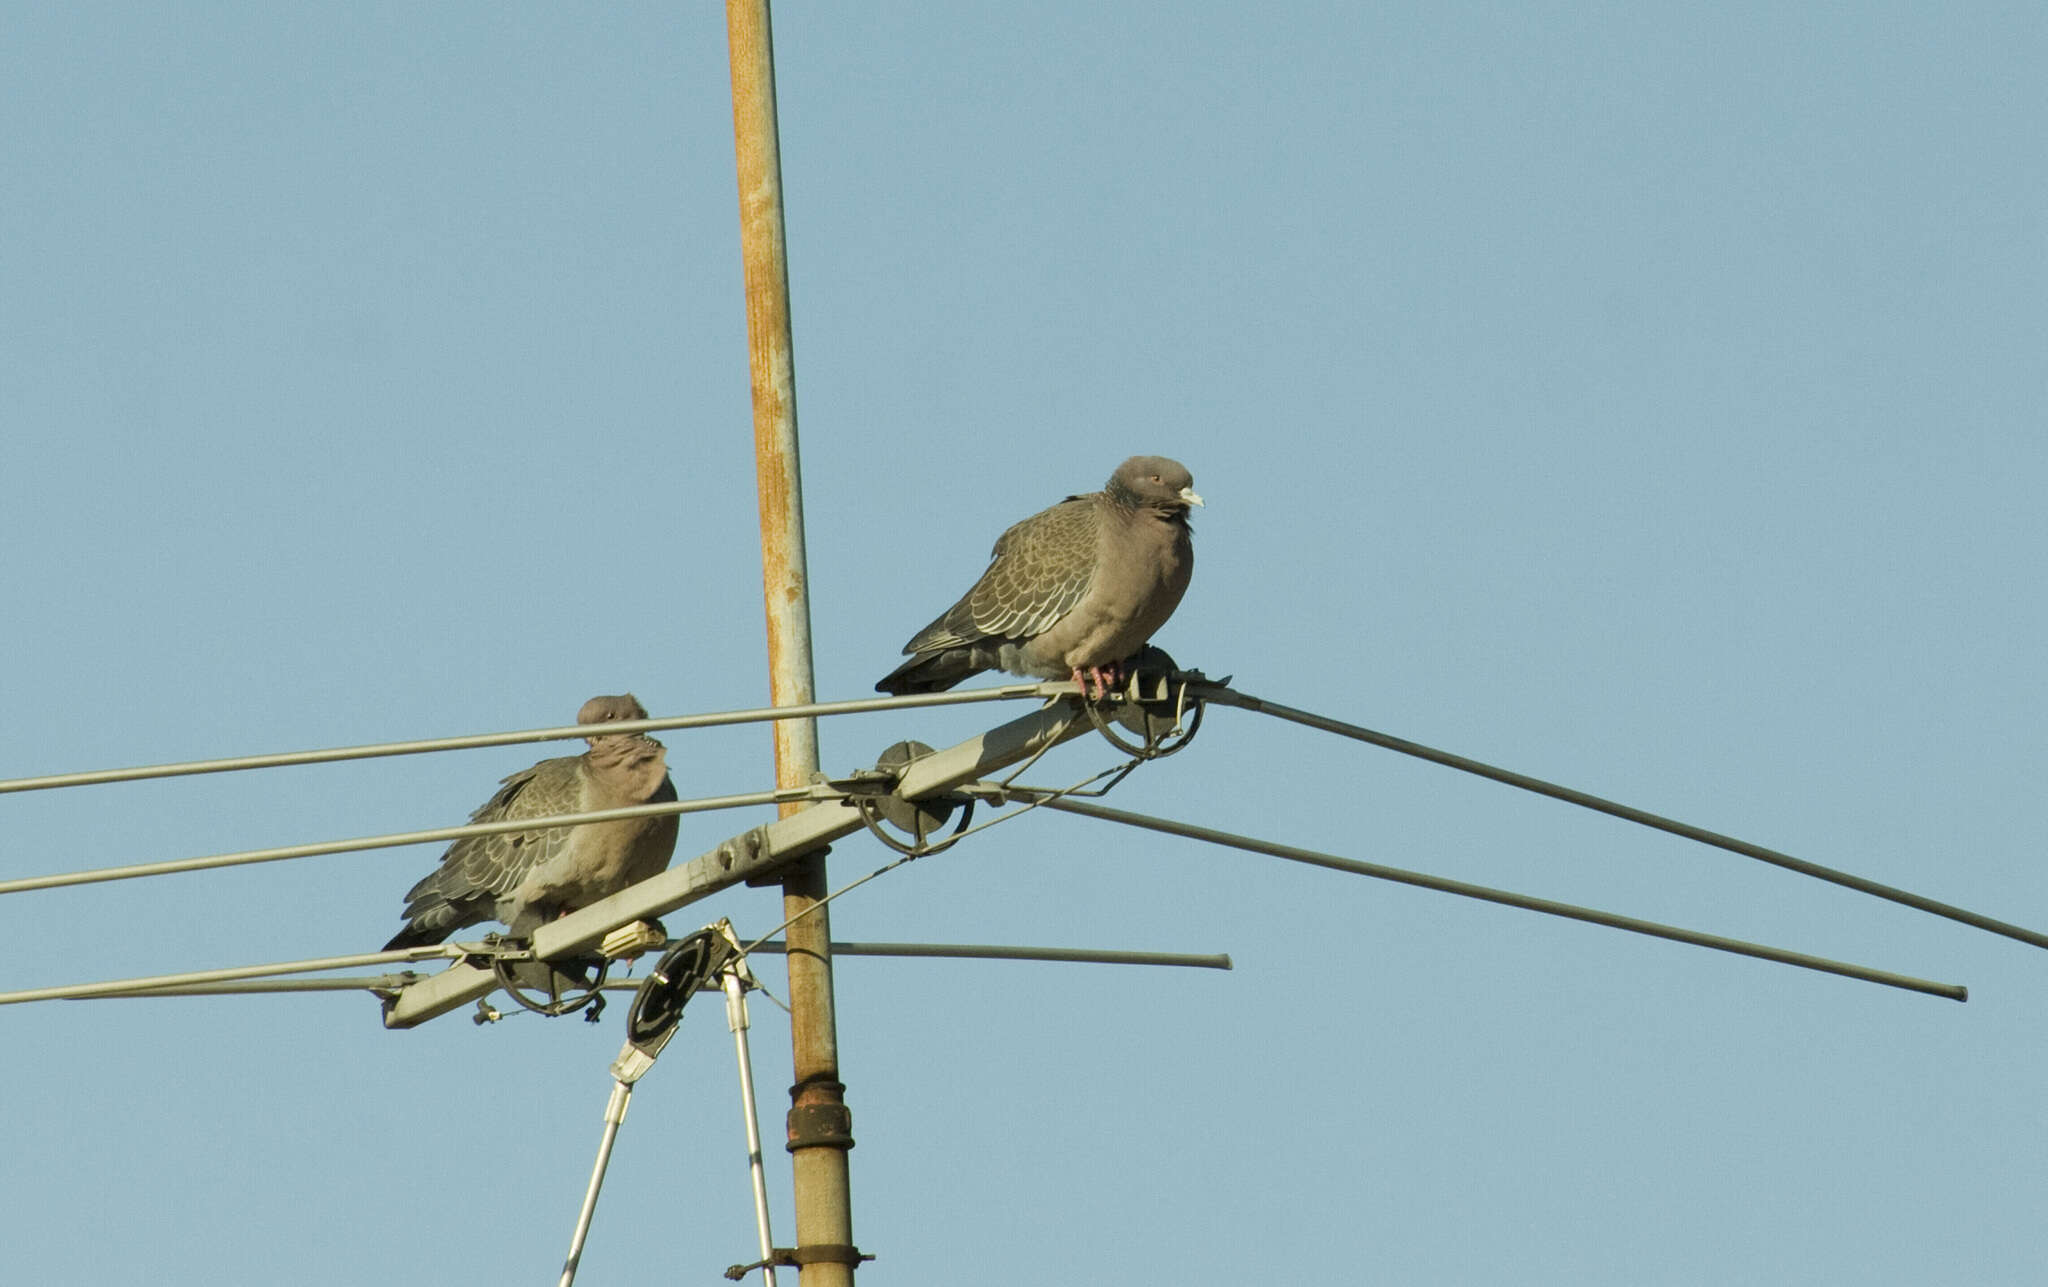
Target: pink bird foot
{"x":1097,"y":682}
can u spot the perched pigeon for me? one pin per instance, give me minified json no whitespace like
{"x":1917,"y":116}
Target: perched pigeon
{"x":525,"y":878}
{"x":1069,"y":592}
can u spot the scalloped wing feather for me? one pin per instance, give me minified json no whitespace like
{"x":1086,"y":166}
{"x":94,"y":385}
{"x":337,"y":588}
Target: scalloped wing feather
{"x":1040,"y":568}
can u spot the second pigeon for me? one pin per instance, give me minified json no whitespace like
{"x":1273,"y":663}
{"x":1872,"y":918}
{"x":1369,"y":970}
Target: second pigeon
{"x":525,"y":878}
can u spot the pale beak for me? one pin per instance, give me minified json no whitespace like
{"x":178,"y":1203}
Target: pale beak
{"x":1187,"y":496}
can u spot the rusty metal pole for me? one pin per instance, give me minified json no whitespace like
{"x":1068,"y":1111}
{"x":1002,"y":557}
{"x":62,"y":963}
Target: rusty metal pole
{"x":820,"y":1129}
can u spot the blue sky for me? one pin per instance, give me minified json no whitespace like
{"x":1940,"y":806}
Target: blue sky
{"x":1645,"y":397}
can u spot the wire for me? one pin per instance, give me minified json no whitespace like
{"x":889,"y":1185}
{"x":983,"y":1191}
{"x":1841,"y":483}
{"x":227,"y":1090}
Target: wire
{"x":856,"y":706}
{"x":1244,"y":701}
{"x":768,"y":992}
{"x":1952,"y":991}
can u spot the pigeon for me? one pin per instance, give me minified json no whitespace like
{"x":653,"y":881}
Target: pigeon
{"x":525,"y":878}
{"x":1070,"y":592}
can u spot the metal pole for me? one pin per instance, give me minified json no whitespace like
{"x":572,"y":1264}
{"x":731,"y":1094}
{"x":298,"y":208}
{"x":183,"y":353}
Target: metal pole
{"x":736,"y":1019}
{"x":820,"y":1129}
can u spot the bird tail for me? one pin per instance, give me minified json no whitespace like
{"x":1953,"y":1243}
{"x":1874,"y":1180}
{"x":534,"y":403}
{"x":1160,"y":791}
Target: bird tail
{"x":419,"y":933}
{"x":929,"y":673}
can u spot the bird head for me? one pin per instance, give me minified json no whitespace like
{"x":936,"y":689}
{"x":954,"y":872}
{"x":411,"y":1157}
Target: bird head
{"x":1154,"y":482}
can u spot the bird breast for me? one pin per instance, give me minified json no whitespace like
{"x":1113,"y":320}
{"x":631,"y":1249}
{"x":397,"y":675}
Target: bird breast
{"x":1141,"y":573}
{"x":602,"y":858}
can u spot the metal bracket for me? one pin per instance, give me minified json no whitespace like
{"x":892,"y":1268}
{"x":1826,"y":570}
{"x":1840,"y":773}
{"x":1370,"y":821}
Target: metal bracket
{"x":745,"y":847}
{"x":817,"y":1253}
{"x":1156,"y":703}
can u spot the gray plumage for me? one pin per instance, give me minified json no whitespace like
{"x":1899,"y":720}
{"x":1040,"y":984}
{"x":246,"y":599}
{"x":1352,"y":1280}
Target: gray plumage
{"x":524,"y":878}
{"x":1071,"y":591}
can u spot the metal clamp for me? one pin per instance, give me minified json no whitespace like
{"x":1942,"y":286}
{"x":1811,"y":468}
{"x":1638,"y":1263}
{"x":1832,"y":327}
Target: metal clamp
{"x":878,"y":803}
{"x":820,"y":1126}
{"x":816,"y":1253}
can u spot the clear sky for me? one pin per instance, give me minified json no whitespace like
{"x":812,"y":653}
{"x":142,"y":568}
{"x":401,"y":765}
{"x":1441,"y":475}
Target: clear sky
{"x":1646,"y":397}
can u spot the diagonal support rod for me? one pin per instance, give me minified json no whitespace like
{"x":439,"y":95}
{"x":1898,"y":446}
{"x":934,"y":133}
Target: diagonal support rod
{"x":1905,"y":898}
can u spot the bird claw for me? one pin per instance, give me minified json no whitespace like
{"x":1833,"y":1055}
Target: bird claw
{"x":1098,"y":682}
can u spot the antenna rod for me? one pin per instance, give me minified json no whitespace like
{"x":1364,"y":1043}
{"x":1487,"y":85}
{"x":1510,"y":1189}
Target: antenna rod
{"x":1550,"y":907}
{"x":820,"y":1128}
{"x":477,"y":741}
{"x":392,"y":840}
{"x":394,"y":983}
{"x":149,"y":984}
{"x":1903,"y":897}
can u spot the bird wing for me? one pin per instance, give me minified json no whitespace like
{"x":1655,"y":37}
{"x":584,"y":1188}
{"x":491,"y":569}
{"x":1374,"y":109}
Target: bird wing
{"x":492,"y":866}
{"x":1040,"y":568}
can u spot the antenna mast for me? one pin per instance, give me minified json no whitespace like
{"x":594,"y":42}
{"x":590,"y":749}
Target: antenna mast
{"x":820,"y":1128}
